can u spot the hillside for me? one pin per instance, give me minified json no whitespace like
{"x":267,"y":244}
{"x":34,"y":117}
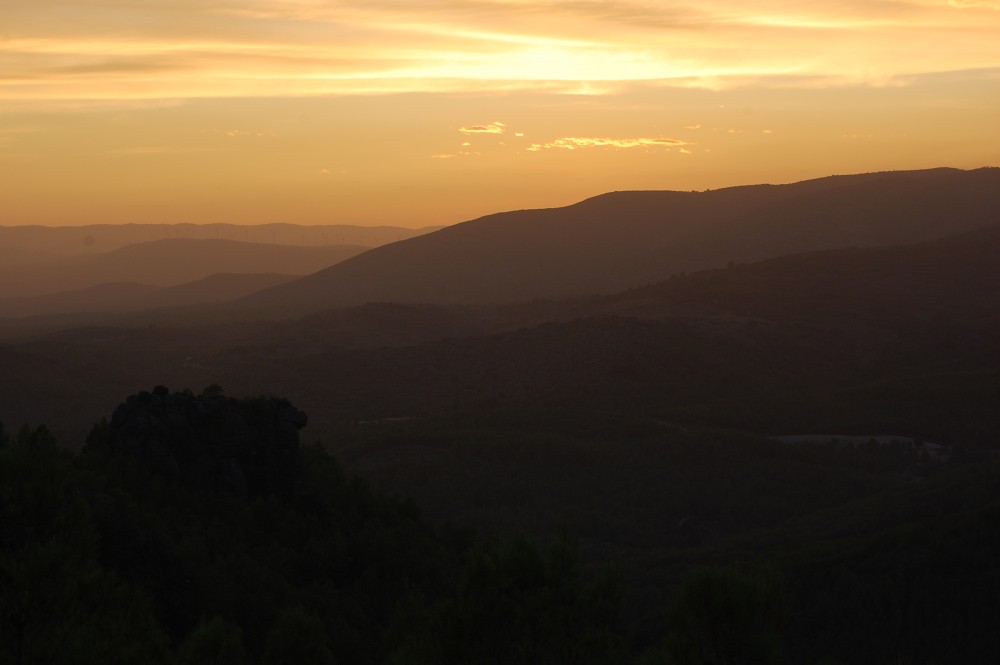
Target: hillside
{"x":900,"y":339}
{"x":128,"y":296}
{"x":620,"y":240}
{"x":168,"y":263}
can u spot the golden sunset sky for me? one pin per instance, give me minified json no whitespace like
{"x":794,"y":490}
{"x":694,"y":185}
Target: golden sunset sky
{"x":415,"y":113}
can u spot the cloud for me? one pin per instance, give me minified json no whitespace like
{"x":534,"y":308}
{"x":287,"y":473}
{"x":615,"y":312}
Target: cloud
{"x":142,"y":151}
{"x":242,"y":133}
{"x":970,"y":4}
{"x":158,"y":49}
{"x":575,"y":142}
{"x":492,"y":128}
{"x":452,"y":155}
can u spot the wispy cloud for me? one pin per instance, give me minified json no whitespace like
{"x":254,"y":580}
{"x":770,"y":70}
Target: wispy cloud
{"x":575,"y":142}
{"x":109,"y":49}
{"x":157,"y":49}
{"x":244,"y":133}
{"x":452,"y":155}
{"x":968,"y":4}
{"x":491,"y":128}
{"x":142,"y":151}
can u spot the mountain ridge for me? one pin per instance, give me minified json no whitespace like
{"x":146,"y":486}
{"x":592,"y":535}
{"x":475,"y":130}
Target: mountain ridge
{"x":616,"y":241}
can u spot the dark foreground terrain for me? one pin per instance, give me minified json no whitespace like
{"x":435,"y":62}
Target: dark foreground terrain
{"x":197,"y":529}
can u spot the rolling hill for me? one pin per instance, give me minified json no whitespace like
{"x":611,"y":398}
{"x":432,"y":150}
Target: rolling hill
{"x":828,"y":341}
{"x":130,"y":296}
{"x":168,"y":263}
{"x":624,"y":239}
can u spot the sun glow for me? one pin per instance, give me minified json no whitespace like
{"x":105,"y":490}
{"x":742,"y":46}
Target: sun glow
{"x":593,"y":95}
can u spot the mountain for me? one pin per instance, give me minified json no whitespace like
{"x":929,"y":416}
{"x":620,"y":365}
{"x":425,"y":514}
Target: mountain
{"x":129,"y":296}
{"x":168,"y":263}
{"x":97,"y":298}
{"x":21,"y":256}
{"x":623,"y":239}
{"x":842,"y":339}
{"x":59,"y":241}
{"x":212,"y":289}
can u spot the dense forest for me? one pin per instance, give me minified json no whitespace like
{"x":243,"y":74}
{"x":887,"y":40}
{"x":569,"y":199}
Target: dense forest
{"x":197,"y":529}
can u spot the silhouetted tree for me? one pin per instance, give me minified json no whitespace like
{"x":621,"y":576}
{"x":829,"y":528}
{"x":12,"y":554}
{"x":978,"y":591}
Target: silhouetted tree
{"x":728,"y":616}
{"x":57,"y":604}
{"x":297,"y":637}
{"x":215,"y":642}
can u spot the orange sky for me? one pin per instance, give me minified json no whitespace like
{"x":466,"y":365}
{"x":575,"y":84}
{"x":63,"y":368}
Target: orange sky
{"x":417,"y":113}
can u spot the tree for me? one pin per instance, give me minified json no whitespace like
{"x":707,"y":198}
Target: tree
{"x":297,"y":637}
{"x":57,"y":604}
{"x":214,"y":642}
{"x":728,"y":616}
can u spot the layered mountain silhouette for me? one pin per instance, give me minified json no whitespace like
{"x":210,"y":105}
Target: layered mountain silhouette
{"x":624,"y":239}
{"x":900,"y":338}
{"x":168,"y":263}
{"x":40,"y":242}
{"x":130,"y":296}
{"x":897,"y":339}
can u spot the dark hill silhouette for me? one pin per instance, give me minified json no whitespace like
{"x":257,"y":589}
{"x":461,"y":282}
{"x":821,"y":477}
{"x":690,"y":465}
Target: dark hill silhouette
{"x":97,"y":298}
{"x":129,"y":296}
{"x":742,"y":346}
{"x":214,"y":288}
{"x":895,"y":287}
{"x":168,"y":263}
{"x":755,"y":338}
{"x":619,"y":240}
{"x":21,"y":256}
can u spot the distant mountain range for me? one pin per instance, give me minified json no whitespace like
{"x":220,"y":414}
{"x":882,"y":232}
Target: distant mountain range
{"x":902,"y":339}
{"x":131,"y":296}
{"x":167,"y":263}
{"x":31,"y":243}
{"x":625,"y":239}
{"x":599,"y":246}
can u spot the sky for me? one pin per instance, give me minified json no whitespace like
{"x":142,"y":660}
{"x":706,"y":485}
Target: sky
{"x":417,"y":113}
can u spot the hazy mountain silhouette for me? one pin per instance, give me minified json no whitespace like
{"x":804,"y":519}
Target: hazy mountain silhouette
{"x":214,"y":288}
{"x":97,"y":298}
{"x":129,"y":296}
{"x":893,"y":287}
{"x":618,"y":240}
{"x":763,"y":333}
{"x":169,"y":262}
{"x":39,"y":242}
{"x":21,"y":256}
